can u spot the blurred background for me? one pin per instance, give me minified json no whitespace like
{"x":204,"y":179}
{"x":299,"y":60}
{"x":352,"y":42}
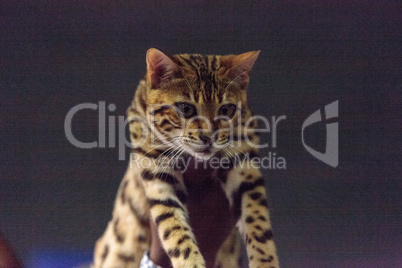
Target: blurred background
{"x":56,"y":199}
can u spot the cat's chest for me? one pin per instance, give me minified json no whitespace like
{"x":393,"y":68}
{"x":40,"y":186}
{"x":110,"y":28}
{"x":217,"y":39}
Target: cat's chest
{"x":208,"y":207}
{"x":199,"y":181}
{"x":204,"y":190}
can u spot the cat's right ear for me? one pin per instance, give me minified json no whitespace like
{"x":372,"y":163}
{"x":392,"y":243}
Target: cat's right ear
{"x":160,"y":68}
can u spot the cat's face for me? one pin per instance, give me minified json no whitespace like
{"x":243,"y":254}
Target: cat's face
{"x":194,"y":102}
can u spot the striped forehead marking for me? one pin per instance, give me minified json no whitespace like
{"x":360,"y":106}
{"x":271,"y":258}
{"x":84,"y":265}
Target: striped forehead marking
{"x":205,"y":70}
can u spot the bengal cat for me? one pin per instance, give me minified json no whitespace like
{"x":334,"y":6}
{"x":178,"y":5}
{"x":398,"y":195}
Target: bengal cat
{"x":190,"y":106}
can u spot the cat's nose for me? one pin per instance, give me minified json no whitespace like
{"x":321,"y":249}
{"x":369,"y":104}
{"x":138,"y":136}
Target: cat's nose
{"x":205,"y":139}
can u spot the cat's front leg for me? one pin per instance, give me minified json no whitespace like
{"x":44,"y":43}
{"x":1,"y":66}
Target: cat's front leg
{"x":127,"y":235}
{"x":246,"y":191}
{"x":166,"y":195}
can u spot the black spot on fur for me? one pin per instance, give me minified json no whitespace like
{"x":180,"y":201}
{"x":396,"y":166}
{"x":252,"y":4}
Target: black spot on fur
{"x":262,"y":218}
{"x":182,"y":239}
{"x":166,"y":122}
{"x":262,"y":252}
{"x":238,"y":195}
{"x":147,"y":175}
{"x":249,"y":219}
{"x":174,"y":228}
{"x":141,"y":239}
{"x":105,"y":252}
{"x":166,"y":234}
{"x":159,"y":110}
{"x":163,"y":217}
{"x":126,"y":258}
{"x":258,"y":227}
{"x":119,"y":237}
{"x":168,"y":231}
{"x":269,"y":259}
{"x":267,"y":235}
{"x":187,"y":253}
{"x":167,"y":203}
{"x":255,"y":195}
{"x":123,"y":192}
{"x":173,"y":253}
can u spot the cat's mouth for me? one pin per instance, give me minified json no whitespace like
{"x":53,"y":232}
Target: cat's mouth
{"x":203,"y":153}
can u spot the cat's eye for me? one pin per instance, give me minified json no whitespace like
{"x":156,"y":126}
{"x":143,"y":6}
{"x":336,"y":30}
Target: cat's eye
{"x":185,"y":110}
{"x":227,"y":110}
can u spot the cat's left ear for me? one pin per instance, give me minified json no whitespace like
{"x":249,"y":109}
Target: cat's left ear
{"x":241,"y":66}
{"x":160,"y":68}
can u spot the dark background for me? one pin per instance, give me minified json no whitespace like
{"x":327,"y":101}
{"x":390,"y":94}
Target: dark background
{"x":56,"y":199}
